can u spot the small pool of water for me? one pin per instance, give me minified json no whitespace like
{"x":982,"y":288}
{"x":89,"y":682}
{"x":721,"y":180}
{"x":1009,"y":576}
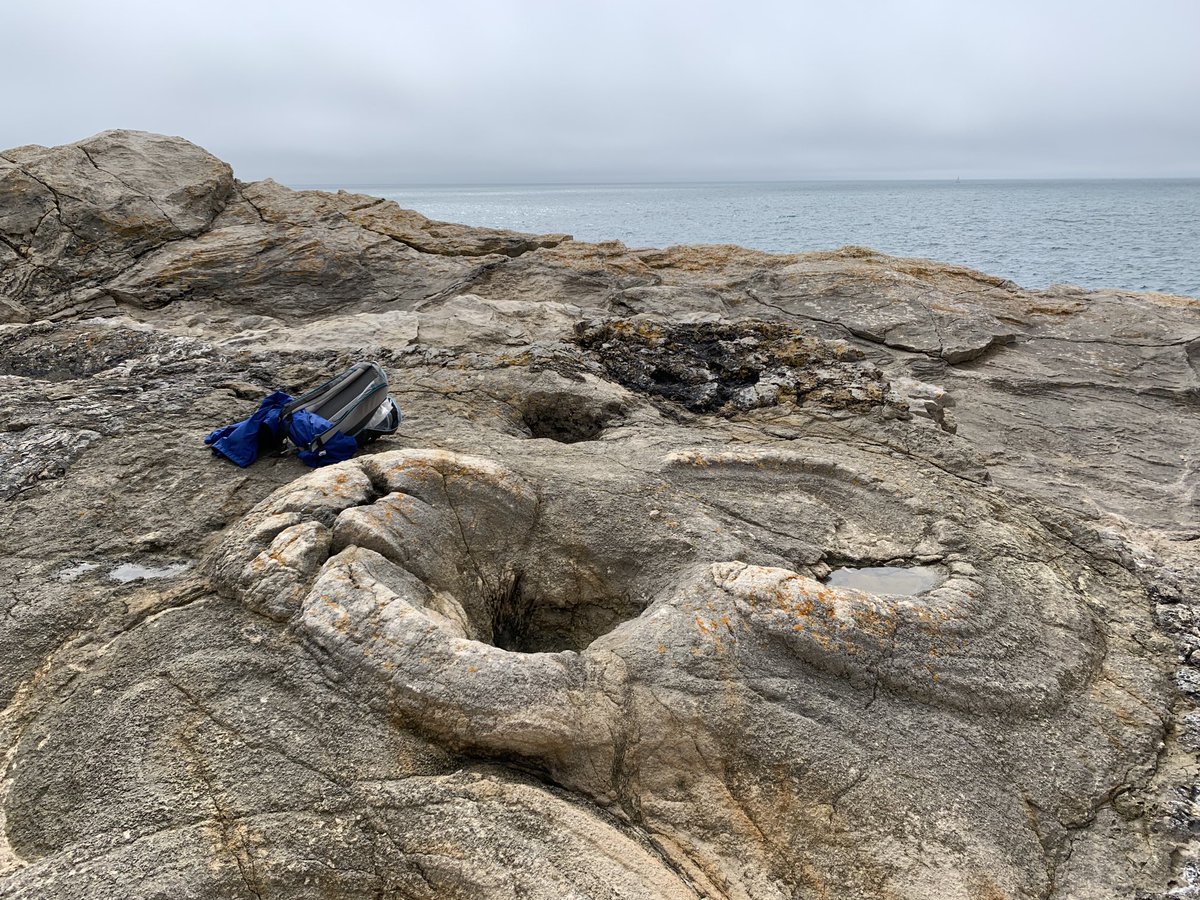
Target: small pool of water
{"x":76,"y":571}
{"x":133,"y":571}
{"x":909,"y":580}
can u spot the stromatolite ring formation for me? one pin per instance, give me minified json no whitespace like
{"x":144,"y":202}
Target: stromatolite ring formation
{"x":417,"y":565}
{"x":433,"y":578}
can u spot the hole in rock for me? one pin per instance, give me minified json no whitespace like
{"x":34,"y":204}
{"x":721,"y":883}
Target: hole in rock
{"x":566,"y":418}
{"x":472,"y":545}
{"x":525,"y":623}
{"x":907,"y":580}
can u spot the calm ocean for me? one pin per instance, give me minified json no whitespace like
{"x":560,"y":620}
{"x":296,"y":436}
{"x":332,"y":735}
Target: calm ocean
{"x":1131,"y":234}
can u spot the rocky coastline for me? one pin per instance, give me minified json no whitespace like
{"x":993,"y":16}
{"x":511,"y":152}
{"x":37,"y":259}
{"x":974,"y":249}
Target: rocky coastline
{"x":568,"y":633}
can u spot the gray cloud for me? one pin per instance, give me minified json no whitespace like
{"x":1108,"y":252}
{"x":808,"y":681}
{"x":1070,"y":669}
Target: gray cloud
{"x":538,"y":90}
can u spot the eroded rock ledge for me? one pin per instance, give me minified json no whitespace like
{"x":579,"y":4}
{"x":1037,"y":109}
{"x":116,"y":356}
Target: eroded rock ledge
{"x":569,"y":632}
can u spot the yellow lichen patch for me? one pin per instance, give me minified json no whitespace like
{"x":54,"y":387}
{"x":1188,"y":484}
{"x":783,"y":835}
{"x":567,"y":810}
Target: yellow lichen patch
{"x":517,"y":359}
{"x":824,"y":640}
{"x":1062,"y":309}
{"x":645,"y":331}
{"x":875,"y":619}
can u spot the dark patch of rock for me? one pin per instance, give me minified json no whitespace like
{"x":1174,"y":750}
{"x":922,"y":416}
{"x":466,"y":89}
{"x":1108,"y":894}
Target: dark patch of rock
{"x":726,"y":368}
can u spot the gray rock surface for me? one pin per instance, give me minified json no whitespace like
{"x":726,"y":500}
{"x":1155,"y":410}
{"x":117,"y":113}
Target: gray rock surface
{"x":566,"y":634}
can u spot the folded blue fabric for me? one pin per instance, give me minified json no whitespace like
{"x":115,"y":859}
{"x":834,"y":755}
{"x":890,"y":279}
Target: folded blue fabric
{"x":243,"y":441}
{"x":305,"y":426}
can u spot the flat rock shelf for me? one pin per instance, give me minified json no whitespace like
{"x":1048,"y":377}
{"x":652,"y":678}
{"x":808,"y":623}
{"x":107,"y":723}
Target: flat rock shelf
{"x":692,"y":572}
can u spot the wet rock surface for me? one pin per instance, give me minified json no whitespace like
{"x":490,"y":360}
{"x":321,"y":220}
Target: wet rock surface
{"x":572,"y":631}
{"x":906,"y":580}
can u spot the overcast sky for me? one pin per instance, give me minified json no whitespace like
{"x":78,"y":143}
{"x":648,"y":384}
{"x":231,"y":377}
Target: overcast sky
{"x":362,"y":92}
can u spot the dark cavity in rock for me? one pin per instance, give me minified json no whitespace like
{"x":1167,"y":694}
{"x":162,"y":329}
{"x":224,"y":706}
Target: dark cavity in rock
{"x":524,"y":623}
{"x":564,"y":417}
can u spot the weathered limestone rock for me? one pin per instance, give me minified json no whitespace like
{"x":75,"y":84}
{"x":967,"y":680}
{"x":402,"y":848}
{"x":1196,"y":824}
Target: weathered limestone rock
{"x":568,"y":633}
{"x":81,"y":214}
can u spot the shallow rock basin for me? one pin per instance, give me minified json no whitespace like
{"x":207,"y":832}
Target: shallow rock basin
{"x":135,"y":571}
{"x":74,"y":573}
{"x":906,"y":580}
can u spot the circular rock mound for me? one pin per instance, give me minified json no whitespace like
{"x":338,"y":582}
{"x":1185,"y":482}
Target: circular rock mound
{"x":666,"y":691}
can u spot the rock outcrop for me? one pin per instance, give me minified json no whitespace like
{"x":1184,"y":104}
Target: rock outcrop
{"x":568,"y":633}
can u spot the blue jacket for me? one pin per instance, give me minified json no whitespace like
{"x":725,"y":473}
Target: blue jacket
{"x":264,"y":431}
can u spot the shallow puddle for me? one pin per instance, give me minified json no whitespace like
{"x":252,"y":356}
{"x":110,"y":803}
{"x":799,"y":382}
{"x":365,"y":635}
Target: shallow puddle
{"x":886,"y":579}
{"x":133,"y":571}
{"x":77,"y":571}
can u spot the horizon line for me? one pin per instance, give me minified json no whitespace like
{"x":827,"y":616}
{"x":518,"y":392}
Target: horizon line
{"x":746,"y":181}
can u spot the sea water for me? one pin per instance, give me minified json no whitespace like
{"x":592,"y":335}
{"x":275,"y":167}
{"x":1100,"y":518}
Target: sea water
{"x":1127,"y":234}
